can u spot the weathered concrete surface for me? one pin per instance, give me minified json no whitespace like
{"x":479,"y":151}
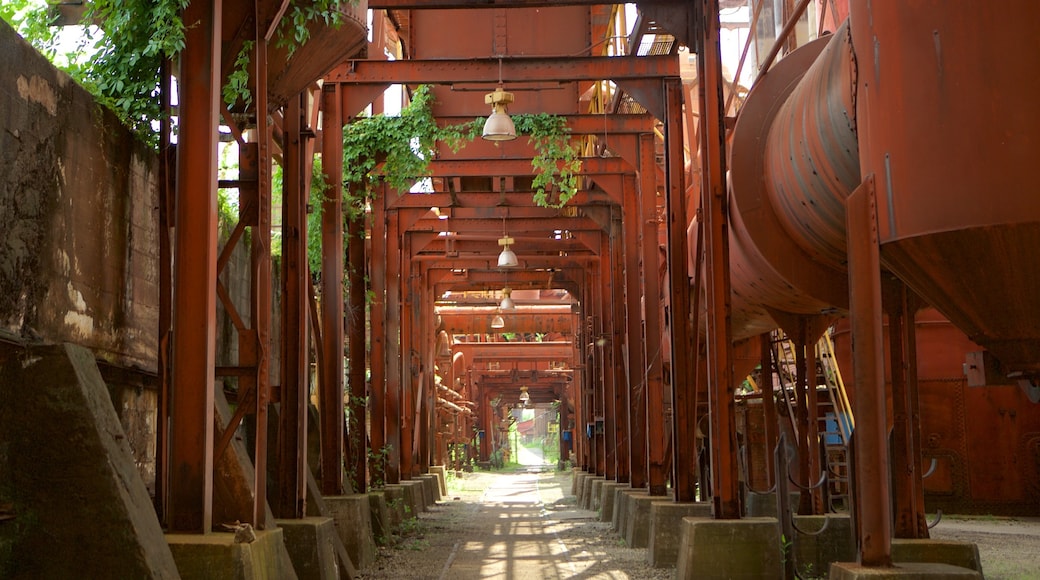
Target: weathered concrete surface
{"x":724,"y":549}
{"x":814,"y":553}
{"x":637,"y":520}
{"x":442,"y":480}
{"x":311,"y":543}
{"x":623,"y":495}
{"x":905,"y":571}
{"x":380,"y":516}
{"x":67,"y":475}
{"x":219,"y":557}
{"x":595,"y":493}
{"x":414,"y":498}
{"x":233,"y":482}
{"x":586,"y":494}
{"x":78,"y":226}
{"x":578,"y":483}
{"x":666,"y":529}
{"x":606,"y":500}
{"x":395,"y":502}
{"x":961,"y":554}
{"x":352,"y":515}
{"x":431,"y":488}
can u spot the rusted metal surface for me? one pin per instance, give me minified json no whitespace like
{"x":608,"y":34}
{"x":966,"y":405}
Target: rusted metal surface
{"x":934,"y":222}
{"x":871,"y":497}
{"x":392,"y":346}
{"x":656,"y":442}
{"x":635,"y":363}
{"x":357,"y":451}
{"x":292,"y":416}
{"x":331,"y":375}
{"x":377,"y":259}
{"x":194,"y":279}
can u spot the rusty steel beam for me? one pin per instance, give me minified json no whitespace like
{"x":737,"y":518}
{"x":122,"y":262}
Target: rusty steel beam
{"x":656,"y":443}
{"x":470,"y":4}
{"x":485,"y":70}
{"x":195,"y":277}
{"x":488,"y":199}
{"x":357,"y":452}
{"x":772,"y":428}
{"x":408,"y":357}
{"x":725,"y":483}
{"x":331,"y":375}
{"x":635,"y":389}
{"x":517,"y":321}
{"x":166,"y":217}
{"x":872,"y":498}
{"x":394,"y":328}
{"x":684,"y":408}
{"x":605,"y":345}
{"x":377,"y":262}
{"x":605,"y":124}
{"x":292,"y":424}
{"x":618,"y":345}
{"x":521,"y":166}
{"x":523,"y":226}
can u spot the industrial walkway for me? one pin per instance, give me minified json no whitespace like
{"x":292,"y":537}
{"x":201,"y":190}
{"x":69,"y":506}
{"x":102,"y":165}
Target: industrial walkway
{"x":517,"y":526}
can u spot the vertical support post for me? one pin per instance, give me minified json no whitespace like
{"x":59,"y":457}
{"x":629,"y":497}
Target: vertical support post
{"x":357,"y":453}
{"x":682,"y":371}
{"x":635,"y":399}
{"x":408,"y":361}
{"x":907,"y":486}
{"x":393,"y":326}
{"x":166,"y":215}
{"x":772,"y":429}
{"x":714,"y":208}
{"x":260,"y":270}
{"x":292,"y":425}
{"x":331,"y":388}
{"x":873,"y":504}
{"x":618,"y":349}
{"x":377,"y":263}
{"x":195,"y":276}
{"x":656,"y":445}
{"x":604,"y":352}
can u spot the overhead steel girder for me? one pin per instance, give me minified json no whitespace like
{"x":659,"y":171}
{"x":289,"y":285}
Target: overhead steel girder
{"x":451,"y":248}
{"x":502,"y":167}
{"x":489,"y":199}
{"x":508,"y":351}
{"x":611,"y":124}
{"x":497,"y":213}
{"x":442,"y":4}
{"x":529,"y":226}
{"x":478,"y":321}
{"x":485,"y":70}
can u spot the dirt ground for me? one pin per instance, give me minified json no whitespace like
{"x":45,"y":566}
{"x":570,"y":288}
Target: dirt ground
{"x":526,"y":526}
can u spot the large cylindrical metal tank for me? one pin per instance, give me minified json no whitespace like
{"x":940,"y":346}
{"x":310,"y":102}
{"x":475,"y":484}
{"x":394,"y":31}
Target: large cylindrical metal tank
{"x":949,"y":127}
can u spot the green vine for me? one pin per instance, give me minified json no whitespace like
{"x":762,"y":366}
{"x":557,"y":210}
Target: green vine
{"x":399,"y":149}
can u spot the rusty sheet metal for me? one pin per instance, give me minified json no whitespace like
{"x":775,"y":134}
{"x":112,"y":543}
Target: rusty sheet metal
{"x":948,"y":124}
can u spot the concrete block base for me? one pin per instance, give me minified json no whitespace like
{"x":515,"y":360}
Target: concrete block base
{"x":903,"y":571}
{"x":595,"y":495}
{"x":442,"y":478}
{"x":748,"y":548}
{"x":395,"y":502}
{"x":218,"y":556}
{"x":606,"y":500}
{"x":586,"y":494}
{"x":961,"y":554}
{"x":637,"y":521}
{"x":312,"y":545}
{"x":666,"y":527}
{"x":575,"y":473}
{"x":377,"y":506}
{"x":813,"y":554}
{"x":353,"y":518}
{"x":431,"y":487}
{"x":414,"y":498}
{"x":623,"y":495}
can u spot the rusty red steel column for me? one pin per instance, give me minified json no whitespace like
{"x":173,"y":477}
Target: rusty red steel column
{"x":166,"y":221}
{"x":331,"y":387}
{"x":656,"y":442}
{"x":768,"y":405}
{"x":292,"y":417}
{"x":377,"y":261}
{"x":604,"y":351}
{"x":618,"y":331}
{"x":635,"y":387}
{"x":407,"y":362}
{"x":260,"y":271}
{"x":714,"y":208}
{"x":871,"y":491}
{"x":195,"y":276}
{"x":357,"y":453}
{"x":393,"y":328}
{"x":684,"y":410}
{"x":907,"y":484}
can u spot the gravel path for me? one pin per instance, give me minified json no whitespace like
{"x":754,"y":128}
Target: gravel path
{"x":520,"y":526}
{"x":525,"y":526}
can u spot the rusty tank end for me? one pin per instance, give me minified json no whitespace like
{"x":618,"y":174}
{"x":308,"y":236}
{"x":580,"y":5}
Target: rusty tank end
{"x":946,"y":104}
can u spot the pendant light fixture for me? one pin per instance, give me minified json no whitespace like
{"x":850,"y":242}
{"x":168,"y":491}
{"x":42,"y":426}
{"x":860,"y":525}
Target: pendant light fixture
{"x":507,"y":259}
{"x":499,"y":127}
{"x":507,"y":302}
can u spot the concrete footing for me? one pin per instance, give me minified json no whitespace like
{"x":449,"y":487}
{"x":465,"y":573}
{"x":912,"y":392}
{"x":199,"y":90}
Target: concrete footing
{"x":813,"y":554}
{"x":442,"y":478}
{"x":637,"y":521}
{"x":432,"y":488}
{"x":414,"y":498}
{"x":395,"y":502}
{"x":960,"y":554}
{"x":621,"y":500}
{"x":312,"y":545}
{"x":219,"y":556}
{"x":377,"y":506}
{"x":606,"y":500}
{"x":747,"y":548}
{"x":353,"y":519}
{"x":575,"y":472}
{"x":665,"y":520}
{"x":586,"y":494}
{"x":595,"y":493}
{"x":902,"y":571}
